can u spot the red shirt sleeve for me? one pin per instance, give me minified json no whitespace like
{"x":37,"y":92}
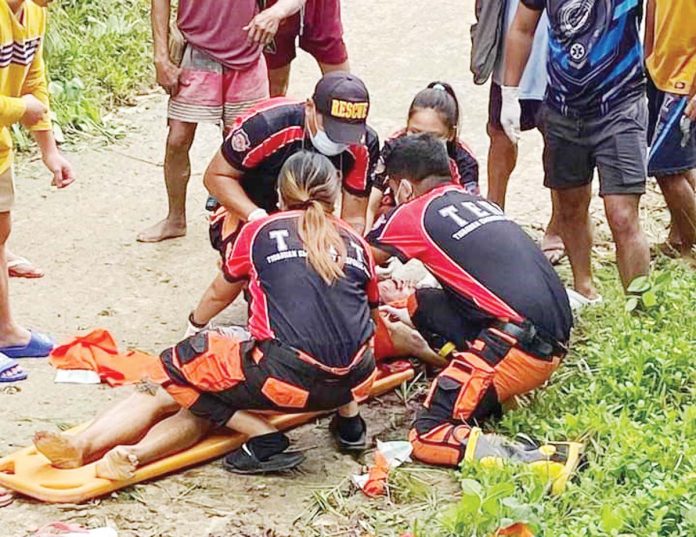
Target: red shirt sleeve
{"x":400,"y":231}
{"x":372,"y":288}
{"x":238,"y":262}
{"x":359,"y":179}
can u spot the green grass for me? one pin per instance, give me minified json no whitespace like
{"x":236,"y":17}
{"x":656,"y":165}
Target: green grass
{"x":98,"y":54}
{"x":626,"y":390}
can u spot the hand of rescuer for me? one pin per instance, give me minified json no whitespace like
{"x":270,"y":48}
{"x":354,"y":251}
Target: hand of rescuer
{"x":407,"y":341}
{"x":192,"y":327}
{"x":256,"y":214}
{"x":510,"y":112}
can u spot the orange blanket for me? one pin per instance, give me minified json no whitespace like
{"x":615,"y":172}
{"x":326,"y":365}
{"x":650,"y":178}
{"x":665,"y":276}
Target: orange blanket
{"x":98,"y":352}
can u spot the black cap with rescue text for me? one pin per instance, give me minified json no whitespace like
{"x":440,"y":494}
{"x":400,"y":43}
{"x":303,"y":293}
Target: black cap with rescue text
{"x":343,"y":101}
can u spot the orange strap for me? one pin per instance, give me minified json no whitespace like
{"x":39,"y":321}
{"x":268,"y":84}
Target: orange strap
{"x":257,"y":355}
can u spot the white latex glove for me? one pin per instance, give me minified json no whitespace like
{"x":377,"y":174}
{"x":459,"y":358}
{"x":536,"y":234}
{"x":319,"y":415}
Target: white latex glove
{"x":428,"y":282}
{"x":385,"y":272}
{"x":256,"y":214}
{"x":192,"y":329}
{"x":510,"y":112}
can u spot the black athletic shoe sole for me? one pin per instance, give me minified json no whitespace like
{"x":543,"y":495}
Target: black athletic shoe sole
{"x":345,"y":445}
{"x":282,"y":462}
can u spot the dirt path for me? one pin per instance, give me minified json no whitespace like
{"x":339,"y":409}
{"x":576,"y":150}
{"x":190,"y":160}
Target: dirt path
{"x":98,"y":276}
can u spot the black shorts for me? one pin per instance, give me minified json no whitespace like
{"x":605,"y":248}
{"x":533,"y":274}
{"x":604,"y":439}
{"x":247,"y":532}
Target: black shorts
{"x":215,"y":375}
{"x":439,"y":319}
{"x":614,"y":143}
{"x":529,"y":119}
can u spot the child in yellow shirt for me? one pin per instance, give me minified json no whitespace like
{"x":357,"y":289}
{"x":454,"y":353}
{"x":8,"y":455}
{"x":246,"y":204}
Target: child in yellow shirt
{"x":24,"y":99}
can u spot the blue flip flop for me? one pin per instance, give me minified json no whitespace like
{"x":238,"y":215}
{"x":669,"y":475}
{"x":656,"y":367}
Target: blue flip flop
{"x":39,"y":346}
{"x":8,"y":364}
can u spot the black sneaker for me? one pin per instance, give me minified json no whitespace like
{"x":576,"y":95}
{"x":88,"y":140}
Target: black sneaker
{"x":243,"y":461}
{"x":346,"y":445}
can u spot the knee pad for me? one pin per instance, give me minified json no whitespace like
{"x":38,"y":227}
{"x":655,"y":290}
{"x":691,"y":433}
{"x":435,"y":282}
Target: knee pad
{"x":463,"y":391}
{"x":442,"y":445}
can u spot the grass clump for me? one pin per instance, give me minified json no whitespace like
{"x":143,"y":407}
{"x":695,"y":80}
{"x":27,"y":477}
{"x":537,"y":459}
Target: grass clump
{"x":98,"y":55}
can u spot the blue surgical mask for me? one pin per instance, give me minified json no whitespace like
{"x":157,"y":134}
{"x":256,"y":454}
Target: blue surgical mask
{"x":325,"y":145}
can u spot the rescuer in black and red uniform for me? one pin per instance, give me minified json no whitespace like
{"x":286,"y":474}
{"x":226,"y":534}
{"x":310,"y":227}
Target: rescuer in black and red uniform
{"x":243,"y":175}
{"x":501,"y":316}
{"x":434,"y":109}
{"x":312,"y":294}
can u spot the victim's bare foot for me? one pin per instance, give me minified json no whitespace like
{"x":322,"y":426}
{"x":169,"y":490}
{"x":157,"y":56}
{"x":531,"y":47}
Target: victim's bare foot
{"x":62,"y":450}
{"x":161,"y":231}
{"x":118,"y":464}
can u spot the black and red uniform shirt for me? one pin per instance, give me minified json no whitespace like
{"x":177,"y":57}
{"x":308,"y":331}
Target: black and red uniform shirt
{"x":261,"y":141}
{"x":463,"y":165}
{"x":290,"y":302}
{"x":487,"y":263}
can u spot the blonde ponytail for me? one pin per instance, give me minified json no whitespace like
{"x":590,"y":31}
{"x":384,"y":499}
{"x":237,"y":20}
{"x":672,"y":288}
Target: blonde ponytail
{"x":308,"y":181}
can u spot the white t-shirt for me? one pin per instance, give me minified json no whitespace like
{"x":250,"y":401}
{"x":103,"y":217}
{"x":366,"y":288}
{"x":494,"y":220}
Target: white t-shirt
{"x":533,"y":83}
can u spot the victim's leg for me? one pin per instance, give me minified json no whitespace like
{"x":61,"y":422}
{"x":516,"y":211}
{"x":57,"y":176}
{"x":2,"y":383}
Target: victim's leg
{"x":124,"y":423}
{"x":250,"y":424}
{"x":169,"y":436}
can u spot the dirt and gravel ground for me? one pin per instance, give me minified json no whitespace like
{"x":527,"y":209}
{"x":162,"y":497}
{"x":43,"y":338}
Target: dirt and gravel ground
{"x":99,"y":276}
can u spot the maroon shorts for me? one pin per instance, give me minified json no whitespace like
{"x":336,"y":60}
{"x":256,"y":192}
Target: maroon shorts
{"x":320,"y":31}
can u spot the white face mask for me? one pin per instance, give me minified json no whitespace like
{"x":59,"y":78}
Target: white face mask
{"x":404,"y":193}
{"x":325,"y":145}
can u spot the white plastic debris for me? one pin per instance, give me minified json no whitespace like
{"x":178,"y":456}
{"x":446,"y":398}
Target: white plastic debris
{"x":396,"y":453}
{"x":77,"y":376}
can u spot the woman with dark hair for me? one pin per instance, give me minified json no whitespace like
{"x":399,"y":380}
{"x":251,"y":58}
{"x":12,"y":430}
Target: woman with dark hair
{"x":434,"y":110}
{"x":311,"y":288}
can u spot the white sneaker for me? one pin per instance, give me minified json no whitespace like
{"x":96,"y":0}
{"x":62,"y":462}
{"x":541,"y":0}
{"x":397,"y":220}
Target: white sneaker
{"x":579,"y":301}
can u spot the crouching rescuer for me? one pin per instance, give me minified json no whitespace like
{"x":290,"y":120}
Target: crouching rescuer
{"x":310,"y":285}
{"x":500,"y":315}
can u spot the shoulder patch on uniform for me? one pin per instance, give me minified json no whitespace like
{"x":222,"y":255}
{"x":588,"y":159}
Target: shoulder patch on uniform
{"x":240,"y":140}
